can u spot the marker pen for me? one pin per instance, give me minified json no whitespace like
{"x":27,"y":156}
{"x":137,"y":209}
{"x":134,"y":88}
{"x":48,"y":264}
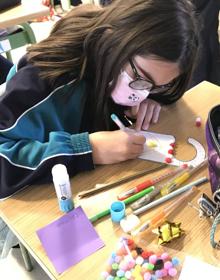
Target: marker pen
{"x":117,"y":121}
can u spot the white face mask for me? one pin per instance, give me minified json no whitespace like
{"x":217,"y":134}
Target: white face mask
{"x":124,"y":95}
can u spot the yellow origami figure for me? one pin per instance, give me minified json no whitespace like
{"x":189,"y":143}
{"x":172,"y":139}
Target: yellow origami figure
{"x":168,"y":231}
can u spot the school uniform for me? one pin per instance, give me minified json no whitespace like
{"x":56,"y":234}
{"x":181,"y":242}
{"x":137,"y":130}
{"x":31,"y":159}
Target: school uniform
{"x":41,"y":126}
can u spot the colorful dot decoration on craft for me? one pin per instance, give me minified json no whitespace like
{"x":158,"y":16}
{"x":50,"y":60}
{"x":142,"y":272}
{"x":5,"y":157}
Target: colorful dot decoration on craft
{"x":134,"y":263}
{"x":169,"y":158}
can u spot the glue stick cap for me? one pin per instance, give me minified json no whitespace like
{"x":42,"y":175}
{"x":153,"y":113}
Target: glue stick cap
{"x":59,"y":172}
{"x":66,"y":205}
{"x":117,"y":211}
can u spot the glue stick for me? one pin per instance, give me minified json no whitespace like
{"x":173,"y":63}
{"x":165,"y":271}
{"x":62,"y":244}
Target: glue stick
{"x":62,"y":186}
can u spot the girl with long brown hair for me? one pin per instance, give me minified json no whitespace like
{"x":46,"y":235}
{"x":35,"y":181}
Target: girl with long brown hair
{"x":130,"y":57}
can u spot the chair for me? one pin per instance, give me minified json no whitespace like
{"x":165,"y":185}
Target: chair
{"x":23,"y":35}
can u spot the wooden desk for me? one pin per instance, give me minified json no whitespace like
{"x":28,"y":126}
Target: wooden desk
{"x":21,"y":14}
{"x":37,"y":206}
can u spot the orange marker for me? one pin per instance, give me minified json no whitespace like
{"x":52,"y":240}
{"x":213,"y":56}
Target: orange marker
{"x":150,"y":182}
{"x":161,"y":216}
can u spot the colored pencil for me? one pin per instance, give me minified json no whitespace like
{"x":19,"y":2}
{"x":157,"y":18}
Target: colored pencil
{"x":101,"y":187}
{"x":170,"y":195}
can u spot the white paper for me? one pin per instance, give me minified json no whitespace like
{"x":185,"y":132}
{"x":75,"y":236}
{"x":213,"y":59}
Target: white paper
{"x":163,"y":142}
{"x":196,"y":269}
{"x":160,"y":152}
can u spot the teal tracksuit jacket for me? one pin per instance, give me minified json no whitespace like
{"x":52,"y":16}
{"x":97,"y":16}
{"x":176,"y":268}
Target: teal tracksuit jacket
{"x":41,"y":126}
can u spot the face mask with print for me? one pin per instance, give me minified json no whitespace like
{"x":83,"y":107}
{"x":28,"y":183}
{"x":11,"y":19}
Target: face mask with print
{"x":124,"y":95}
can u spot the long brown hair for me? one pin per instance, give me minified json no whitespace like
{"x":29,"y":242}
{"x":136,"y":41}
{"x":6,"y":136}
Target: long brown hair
{"x":95,"y":43}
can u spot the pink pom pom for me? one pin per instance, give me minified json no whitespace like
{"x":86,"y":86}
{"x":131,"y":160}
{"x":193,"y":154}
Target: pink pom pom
{"x":131,"y":264}
{"x":164,"y":256}
{"x":170,"y":151}
{"x":164,"y":272}
{"x":168,"y":265}
{"x":172,"y":272}
{"x":104,"y":274}
{"x":123,"y":265}
{"x":117,"y":259}
{"x":153,"y":259}
{"x":172,"y":144}
{"x":147,"y":276}
{"x":198,"y":121}
{"x":159,"y":273}
{"x":168,"y":160}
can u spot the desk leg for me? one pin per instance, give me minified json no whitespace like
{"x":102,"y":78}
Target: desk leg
{"x":26,"y":257}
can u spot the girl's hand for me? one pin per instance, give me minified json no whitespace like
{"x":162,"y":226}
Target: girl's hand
{"x":145,"y":113}
{"x":115,"y":146}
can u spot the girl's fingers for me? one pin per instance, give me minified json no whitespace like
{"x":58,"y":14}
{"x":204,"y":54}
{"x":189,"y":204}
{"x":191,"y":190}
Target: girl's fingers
{"x":156,"y":113}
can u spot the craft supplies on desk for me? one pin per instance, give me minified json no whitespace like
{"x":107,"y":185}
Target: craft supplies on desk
{"x":117,"y":210}
{"x":69,"y":239}
{"x":168,"y":231}
{"x":150,"y":182}
{"x":170,"y":195}
{"x":161,"y":152}
{"x":158,"y":146}
{"x":175,"y":182}
{"x":130,"y":199}
{"x":101,"y":187}
{"x":149,"y":197}
{"x":182,"y":178}
{"x":162,"y":214}
{"x":130,"y":222}
{"x":134,"y":261}
{"x":62,"y":186}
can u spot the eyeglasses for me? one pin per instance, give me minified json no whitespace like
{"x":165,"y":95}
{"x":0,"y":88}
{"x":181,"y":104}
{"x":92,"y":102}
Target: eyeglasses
{"x":140,"y":83}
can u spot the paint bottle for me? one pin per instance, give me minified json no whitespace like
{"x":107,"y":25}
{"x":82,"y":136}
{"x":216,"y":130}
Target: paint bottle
{"x":62,"y":186}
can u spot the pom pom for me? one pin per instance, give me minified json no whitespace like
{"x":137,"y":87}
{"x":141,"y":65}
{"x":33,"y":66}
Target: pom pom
{"x":114,"y":266}
{"x":168,"y":265}
{"x":120,"y":273}
{"x":147,"y":276}
{"x":139,"y":260}
{"x":198,"y":121}
{"x":153,"y":259}
{"x":104,"y":274}
{"x":168,"y":160}
{"x":172,"y":145}
{"x":128,"y":274}
{"x":172,"y":272}
{"x":170,"y":151}
{"x":159,"y":273}
{"x":175,"y":261}
{"x":164,"y":256}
